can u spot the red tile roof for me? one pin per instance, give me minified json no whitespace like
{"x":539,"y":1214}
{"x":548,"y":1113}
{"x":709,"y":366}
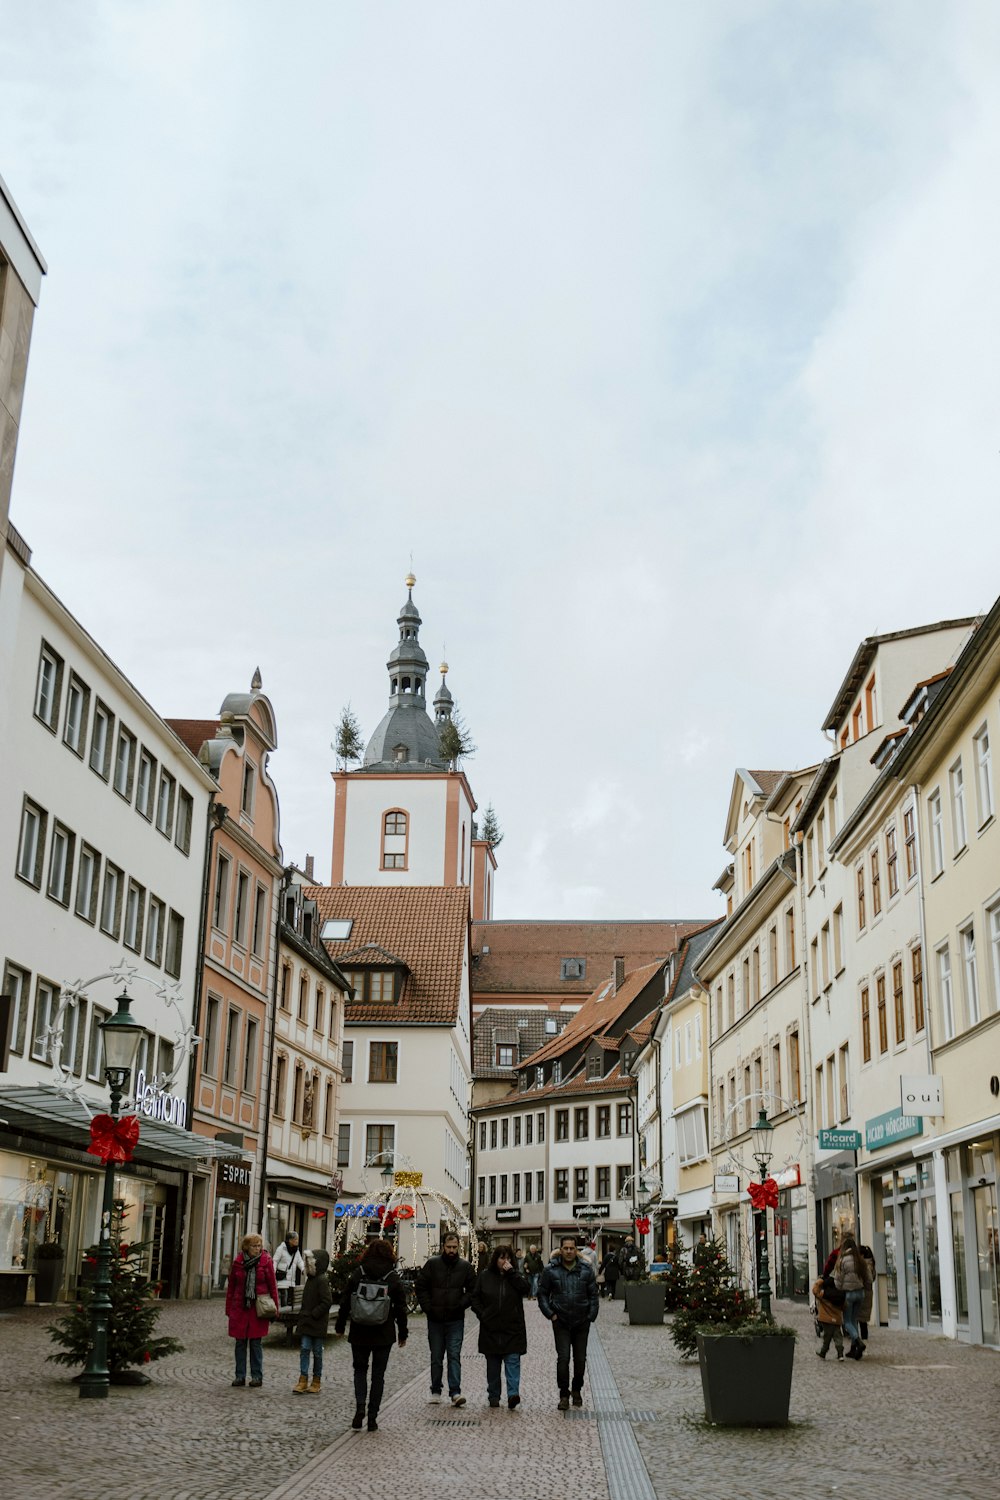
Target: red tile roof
{"x":425,"y":926}
{"x":525,"y":958}
{"x":194,"y":732}
{"x":768,"y":780}
{"x":597,"y":1015}
{"x":616,"y":1082}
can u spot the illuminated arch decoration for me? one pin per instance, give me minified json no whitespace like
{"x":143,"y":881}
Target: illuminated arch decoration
{"x":405,"y":1209}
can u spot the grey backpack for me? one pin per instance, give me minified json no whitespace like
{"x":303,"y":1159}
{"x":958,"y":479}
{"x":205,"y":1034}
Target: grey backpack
{"x":370,"y":1302}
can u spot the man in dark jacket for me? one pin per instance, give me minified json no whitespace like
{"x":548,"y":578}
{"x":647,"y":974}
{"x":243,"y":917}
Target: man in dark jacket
{"x":567,"y":1296}
{"x":444,"y":1291}
{"x":631,"y":1260}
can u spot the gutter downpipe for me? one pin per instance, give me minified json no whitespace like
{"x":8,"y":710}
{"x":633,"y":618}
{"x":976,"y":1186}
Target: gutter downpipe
{"x":265,"y":1127}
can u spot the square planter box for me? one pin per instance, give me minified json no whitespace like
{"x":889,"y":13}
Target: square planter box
{"x":746,"y":1383}
{"x":645,"y":1301}
{"x":618,"y":1290}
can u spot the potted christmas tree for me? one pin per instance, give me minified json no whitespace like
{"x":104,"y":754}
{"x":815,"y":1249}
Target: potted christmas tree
{"x":132,"y":1340}
{"x":49,"y":1257}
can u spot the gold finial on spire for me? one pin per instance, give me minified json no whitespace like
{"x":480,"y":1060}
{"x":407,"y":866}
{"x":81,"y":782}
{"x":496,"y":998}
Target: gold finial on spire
{"x":443,"y":669}
{"x":409,"y":580}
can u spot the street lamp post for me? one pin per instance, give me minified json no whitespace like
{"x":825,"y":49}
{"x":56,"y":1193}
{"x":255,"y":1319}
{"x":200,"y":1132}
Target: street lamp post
{"x":763,"y":1133}
{"x":121,"y":1033}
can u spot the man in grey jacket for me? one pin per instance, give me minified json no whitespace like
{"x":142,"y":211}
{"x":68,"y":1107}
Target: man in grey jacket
{"x":567,"y":1296}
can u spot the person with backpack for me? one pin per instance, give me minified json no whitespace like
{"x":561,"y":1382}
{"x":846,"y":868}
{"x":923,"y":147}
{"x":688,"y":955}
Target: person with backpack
{"x":611,"y":1270}
{"x":498,"y":1303}
{"x":375,"y":1302}
{"x":631,"y":1260}
{"x":444,"y":1291}
{"x":851,"y":1276}
{"x":314,"y":1320}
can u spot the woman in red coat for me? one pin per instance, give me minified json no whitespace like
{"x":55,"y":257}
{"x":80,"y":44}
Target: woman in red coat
{"x":252,"y":1274}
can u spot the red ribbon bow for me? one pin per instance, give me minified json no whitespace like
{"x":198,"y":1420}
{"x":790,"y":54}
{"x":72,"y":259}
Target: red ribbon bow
{"x":763,"y":1194}
{"x":642,"y":1224}
{"x":111,"y":1139}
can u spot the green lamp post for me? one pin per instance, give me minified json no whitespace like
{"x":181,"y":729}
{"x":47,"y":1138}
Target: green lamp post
{"x":121,"y":1033}
{"x":763,"y":1149}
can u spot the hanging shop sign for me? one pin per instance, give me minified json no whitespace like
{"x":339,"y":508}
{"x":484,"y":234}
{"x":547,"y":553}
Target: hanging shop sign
{"x":233,"y":1180}
{"x":840,"y":1140}
{"x":788,"y":1176}
{"x":155,"y":1104}
{"x":591,"y":1211}
{"x":887,"y":1129}
{"x":727,"y":1182}
{"x":508,"y":1216}
{"x":921,"y":1094}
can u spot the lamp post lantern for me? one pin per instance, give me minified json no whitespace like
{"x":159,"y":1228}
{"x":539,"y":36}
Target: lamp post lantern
{"x":763,"y":1149}
{"x":121,"y":1033}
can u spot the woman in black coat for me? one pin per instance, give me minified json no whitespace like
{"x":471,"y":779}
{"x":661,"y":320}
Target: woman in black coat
{"x":498,"y":1303}
{"x":373,"y":1341}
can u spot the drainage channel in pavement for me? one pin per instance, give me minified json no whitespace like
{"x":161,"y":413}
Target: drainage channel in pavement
{"x":626,"y":1472}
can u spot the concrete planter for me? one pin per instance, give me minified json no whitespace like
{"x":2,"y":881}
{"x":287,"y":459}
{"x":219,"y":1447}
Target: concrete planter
{"x":746,"y":1382}
{"x":645,"y":1301}
{"x":13,"y":1288}
{"x":48,"y":1278}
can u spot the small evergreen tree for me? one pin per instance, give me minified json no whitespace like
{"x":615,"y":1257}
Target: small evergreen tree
{"x":348,"y":745}
{"x":491,"y":831}
{"x":455,"y":740}
{"x":133,"y":1316}
{"x":711,"y":1297}
{"x":675,"y":1277}
{"x":342,"y":1264}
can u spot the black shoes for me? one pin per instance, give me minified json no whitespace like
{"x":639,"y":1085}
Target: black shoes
{"x":256,"y":1382}
{"x":563,"y":1403}
{"x":239,"y":1382}
{"x":512,"y":1401}
{"x":577,"y":1398}
{"x":359,"y":1421}
{"x":372,"y":1425}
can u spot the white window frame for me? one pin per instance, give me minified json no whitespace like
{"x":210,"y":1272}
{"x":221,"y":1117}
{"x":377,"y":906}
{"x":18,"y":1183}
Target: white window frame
{"x":165,"y":801}
{"x":970,"y":974}
{"x":124,"y":772}
{"x":101,"y":735}
{"x":111,"y":900}
{"x":47,"y":687}
{"x":61,"y":859}
{"x":46,"y":1004}
{"x":75,"y":722}
{"x":947,"y":991}
{"x":145,"y":784}
{"x":983,"y":756}
{"x":31,"y":844}
{"x":935,"y":824}
{"x":135,"y":907}
{"x":152,"y":948}
{"x":959,"y":818}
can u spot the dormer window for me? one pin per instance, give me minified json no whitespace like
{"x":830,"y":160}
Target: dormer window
{"x":539,"y":1077}
{"x":573,"y":968}
{"x":505,"y":1055}
{"x":374,"y":986}
{"x":594,"y":1065}
{"x":557,"y":1071}
{"x":551,"y":1026}
{"x":400,"y":753}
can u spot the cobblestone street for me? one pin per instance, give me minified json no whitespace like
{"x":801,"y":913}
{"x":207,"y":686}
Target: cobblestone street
{"x":917,"y":1420}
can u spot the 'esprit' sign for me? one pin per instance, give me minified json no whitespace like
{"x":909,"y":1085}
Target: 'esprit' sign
{"x":234,"y":1180}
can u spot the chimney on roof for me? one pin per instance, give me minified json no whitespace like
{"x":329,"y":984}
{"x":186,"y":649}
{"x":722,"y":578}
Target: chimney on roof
{"x":310,"y":868}
{"x":619,"y":972}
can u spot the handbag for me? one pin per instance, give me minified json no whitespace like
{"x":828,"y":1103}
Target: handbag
{"x":267,"y":1308}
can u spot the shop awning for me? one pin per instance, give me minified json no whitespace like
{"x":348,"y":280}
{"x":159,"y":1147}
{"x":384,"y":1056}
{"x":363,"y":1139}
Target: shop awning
{"x":294,"y":1190}
{"x":44,"y":1112}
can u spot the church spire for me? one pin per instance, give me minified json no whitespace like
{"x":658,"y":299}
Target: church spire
{"x":407,"y":663}
{"x":406,"y":737}
{"x":443,"y":701}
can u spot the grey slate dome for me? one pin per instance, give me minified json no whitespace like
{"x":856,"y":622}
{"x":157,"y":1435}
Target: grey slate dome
{"x":406,"y":739}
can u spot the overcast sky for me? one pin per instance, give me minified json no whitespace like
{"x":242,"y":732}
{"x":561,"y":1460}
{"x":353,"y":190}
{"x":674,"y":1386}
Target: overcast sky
{"x":663,"y":336}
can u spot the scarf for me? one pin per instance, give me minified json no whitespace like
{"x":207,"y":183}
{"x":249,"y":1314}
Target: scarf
{"x":250,"y":1280}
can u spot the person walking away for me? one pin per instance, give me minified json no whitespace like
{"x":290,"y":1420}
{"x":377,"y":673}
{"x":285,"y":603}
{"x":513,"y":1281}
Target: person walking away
{"x":289,"y":1267}
{"x":830,"y":1318}
{"x":534,"y":1265}
{"x":865,"y":1314}
{"x":314,"y":1320}
{"x":850,"y":1276}
{"x":612,"y":1270}
{"x":375,"y":1302}
{"x":444,"y":1291}
{"x":498,"y":1302}
{"x":567,"y":1296}
{"x":482,"y":1256}
{"x":631,"y":1260}
{"x":250,"y":1276}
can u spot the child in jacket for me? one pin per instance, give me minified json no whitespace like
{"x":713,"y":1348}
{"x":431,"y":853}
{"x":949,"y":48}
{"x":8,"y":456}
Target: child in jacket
{"x":831,"y":1320}
{"x":314,"y":1320}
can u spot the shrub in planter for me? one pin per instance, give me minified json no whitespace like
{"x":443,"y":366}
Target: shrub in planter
{"x":711,"y":1297}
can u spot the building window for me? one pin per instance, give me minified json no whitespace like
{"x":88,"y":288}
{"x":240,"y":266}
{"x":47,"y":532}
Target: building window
{"x":624,"y":1119}
{"x":16,"y":984}
{"x":124,"y":763}
{"x":515,"y":1187}
{"x":383,"y":1062}
{"x":111,"y":900}
{"x":910,"y":842}
{"x":970,"y":972}
{"x":210,"y":1049}
{"x":947,"y":996}
{"x":891,"y":860}
{"x":298,"y":1092}
{"x":232,"y":1050}
{"x":250,"y":1057}
{"x":220,"y":911}
{"x":505,"y":1056}
{"x":503,"y":1188}
{"x":87,"y":877}
{"x":347,"y":1061}
{"x":481,"y":1191}
{"x":560,"y":1185}
{"x":581,"y":1124}
{"x":61,"y":864}
{"x":898,"y":1010}
{"x":46,"y":1004}
{"x":517,"y":1130}
{"x":100,"y":740}
{"x":494,"y":1134}
{"x":794,"y":1066}
{"x":602,"y":1121}
{"x":936,"y":829}
{"x":504,"y":1134}
{"x":581,"y":1184}
{"x":249,"y":788}
{"x":259,"y":941}
{"x":883,"y":1025}
{"x":871,"y":704}
{"x":144,"y":785}
{"x":328,"y":1108}
{"x":135,"y":904}
{"x":866,"y":1025}
{"x":557,"y":1071}
{"x":527,"y":1187}
{"x":493,"y":1190}
{"x":528,"y":1123}
{"x":31,"y":849}
{"x":165,"y":804}
{"x":917,"y":975}
{"x":175,"y":945}
{"x":562,"y":1124}
{"x":77,"y":704}
{"x":242,"y":917}
{"x":790,"y":939}
{"x":47,"y":687}
{"x":482,"y":1135}
{"x":602,"y":1183}
{"x":395,"y":829}
{"x":984,"y":775}
{"x":573,"y":968}
{"x":622,"y":1175}
{"x":380,"y":1140}
{"x":280,"y":1083}
{"x":319,"y":1010}
{"x":381,"y":984}
{"x":876,"y":885}
{"x":344,"y":1146}
{"x":540,"y":1133}
{"x":185,"y":818}
{"x":956,"y":778}
{"x":862,"y":917}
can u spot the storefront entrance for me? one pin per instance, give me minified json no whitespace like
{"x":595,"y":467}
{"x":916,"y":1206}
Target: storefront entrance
{"x":907,"y":1236}
{"x":791,"y":1245}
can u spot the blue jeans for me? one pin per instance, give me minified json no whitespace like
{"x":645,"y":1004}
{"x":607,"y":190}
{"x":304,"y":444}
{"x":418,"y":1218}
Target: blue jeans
{"x":446,"y":1338}
{"x":311,"y":1344}
{"x":536,"y":1277}
{"x":511,"y":1364}
{"x":852,"y":1301}
{"x":256,"y":1359}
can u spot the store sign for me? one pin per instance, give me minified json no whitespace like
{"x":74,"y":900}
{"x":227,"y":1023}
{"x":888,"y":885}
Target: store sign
{"x":886,"y":1130}
{"x":156,"y":1105}
{"x":921,"y":1094}
{"x":788,"y":1176}
{"x":726,"y":1182}
{"x":840,"y":1140}
{"x":508,"y":1216}
{"x":587,"y":1211}
{"x":233,"y":1180}
{"x":370,"y":1211}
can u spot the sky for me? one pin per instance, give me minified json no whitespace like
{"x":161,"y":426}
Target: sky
{"x":659,"y":339}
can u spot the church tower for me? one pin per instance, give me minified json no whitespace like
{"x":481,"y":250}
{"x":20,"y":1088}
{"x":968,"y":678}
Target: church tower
{"x":405,"y":816}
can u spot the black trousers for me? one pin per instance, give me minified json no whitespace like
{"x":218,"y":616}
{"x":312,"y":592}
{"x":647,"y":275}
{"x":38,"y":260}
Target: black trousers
{"x":570,"y":1341}
{"x":379,"y":1358}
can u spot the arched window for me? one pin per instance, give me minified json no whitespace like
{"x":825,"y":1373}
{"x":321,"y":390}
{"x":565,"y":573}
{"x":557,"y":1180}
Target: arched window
{"x":395,"y":839}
